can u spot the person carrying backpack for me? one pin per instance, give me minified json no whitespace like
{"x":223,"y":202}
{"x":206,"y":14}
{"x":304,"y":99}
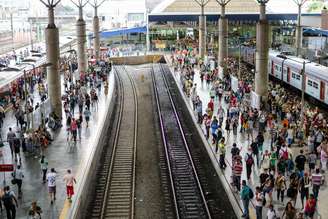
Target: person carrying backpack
{"x":246,"y":195}
{"x":249,"y":160}
{"x":8,"y":201}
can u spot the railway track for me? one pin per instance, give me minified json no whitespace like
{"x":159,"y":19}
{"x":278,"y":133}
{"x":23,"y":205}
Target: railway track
{"x":115,"y":189}
{"x":186,"y":190}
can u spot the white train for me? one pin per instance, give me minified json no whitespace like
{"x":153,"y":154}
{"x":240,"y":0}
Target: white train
{"x":289,"y":70}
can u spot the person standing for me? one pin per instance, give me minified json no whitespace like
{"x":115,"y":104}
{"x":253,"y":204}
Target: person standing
{"x":74,"y":128}
{"x":51,"y":178}
{"x":280,"y":184}
{"x":316,"y":182}
{"x":87,"y":115}
{"x":289,"y":212}
{"x":300,"y":161}
{"x":271,"y":214}
{"x":310,"y":207}
{"x":79,"y":126}
{"x":69,"y":180}
{"x":222,"y":148}
{"x":249,"y":163}
{"x":259,"y":197}
{"x":237,"y":169}
{"x":11,"y":138}
{"x":199,"y":110}
{"x":304,"y":187}
{"x":44,"y":168}
{"x":8,"y":201}
{"x":19,"y":180}
{"x":246,"y":195}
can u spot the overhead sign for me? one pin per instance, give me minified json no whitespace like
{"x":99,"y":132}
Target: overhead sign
{"x":6,"y":167}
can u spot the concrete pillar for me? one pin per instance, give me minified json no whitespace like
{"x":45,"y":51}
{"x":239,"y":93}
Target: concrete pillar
{"x":96,"y":42}
{"x":262,"y":53}
{"x":81,"y":38}
{"x":298,"y":41}
{"x":202,"y":33}
{"x":223,"y":38}
{"x":53,"y":75}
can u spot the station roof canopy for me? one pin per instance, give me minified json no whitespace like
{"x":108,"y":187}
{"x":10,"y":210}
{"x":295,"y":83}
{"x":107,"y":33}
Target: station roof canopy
{"x":315,"y":32}
{"x":237,"y":10}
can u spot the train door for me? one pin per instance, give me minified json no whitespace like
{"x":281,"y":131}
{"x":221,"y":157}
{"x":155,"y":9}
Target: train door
{"x":322,"y":90}
{"x":288,"y":75}
{"x":272,"y":67}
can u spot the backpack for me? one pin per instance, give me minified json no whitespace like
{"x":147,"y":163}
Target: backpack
{"x":285,"y":154}
{"x":249,"y":160}
{"x":250,"y":193}
{"x":7,"y":199}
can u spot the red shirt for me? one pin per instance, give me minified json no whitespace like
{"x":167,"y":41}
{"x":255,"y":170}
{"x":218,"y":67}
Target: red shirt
{"x":211,"y":105}
{"x":310,"y":205}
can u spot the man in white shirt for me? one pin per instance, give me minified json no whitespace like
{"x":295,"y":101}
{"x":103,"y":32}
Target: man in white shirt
{"x":69,"y":180}
{"x":19,"y":180}
{"x":51,"y":178}
{"x":271,"y":214}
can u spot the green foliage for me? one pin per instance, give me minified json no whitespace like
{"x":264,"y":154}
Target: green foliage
{"x":315,"y":6}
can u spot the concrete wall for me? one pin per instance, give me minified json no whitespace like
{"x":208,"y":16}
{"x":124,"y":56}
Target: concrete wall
{"x":86,"y":187}
{"x":311,"y":21}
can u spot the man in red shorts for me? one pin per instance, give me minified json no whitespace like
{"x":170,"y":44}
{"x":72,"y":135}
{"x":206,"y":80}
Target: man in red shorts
{"x":69,"y":180}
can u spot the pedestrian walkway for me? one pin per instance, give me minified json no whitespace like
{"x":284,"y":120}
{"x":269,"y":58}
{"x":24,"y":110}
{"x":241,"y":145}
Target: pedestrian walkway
{"x":243,"y":142}
{"x":61,"y":155}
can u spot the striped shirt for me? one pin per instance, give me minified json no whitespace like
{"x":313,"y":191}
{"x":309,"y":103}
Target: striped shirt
{"x":316,"y":179}
{"x":237,"y":169}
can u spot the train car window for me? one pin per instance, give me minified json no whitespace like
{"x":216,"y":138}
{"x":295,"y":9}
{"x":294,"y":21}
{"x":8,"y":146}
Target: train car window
{"x":285,"y":70}
{"x":298,"y":77}
{"x":309,"y":83}
{"x":276,"y":67}
{"x":315,"y":85}
{"x":293,"y":75}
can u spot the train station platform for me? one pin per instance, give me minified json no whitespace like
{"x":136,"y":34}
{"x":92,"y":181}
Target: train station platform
{"x":61,"y":155}
{"x":243,"y":143}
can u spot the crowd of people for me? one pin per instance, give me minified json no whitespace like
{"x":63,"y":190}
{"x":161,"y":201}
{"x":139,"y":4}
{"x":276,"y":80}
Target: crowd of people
{"x":79,"y":101}
{"x":289,"y":160}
